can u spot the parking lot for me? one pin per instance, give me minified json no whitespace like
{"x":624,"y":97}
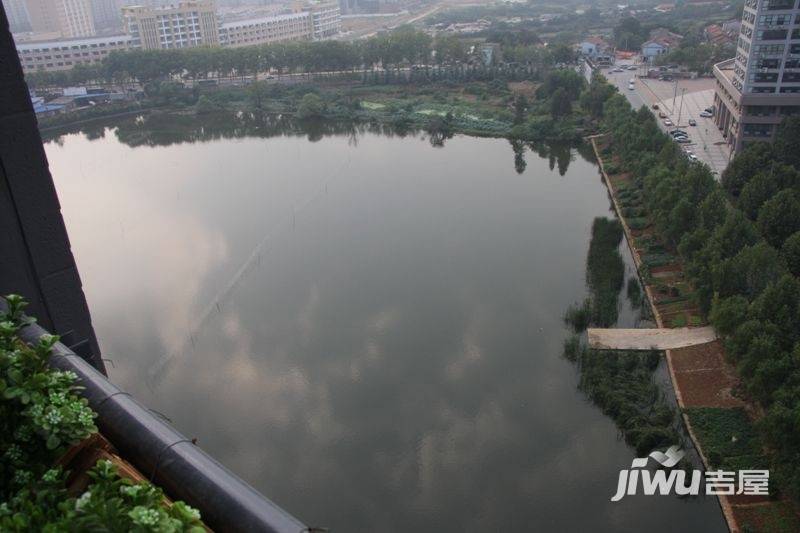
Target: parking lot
{"x":680,"y":102}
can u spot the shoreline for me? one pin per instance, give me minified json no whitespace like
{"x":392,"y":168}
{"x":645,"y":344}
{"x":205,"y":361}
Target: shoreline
{"x":724,"y":502}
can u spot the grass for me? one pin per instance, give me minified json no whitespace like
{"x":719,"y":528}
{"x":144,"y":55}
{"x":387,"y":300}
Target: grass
{"x":778,"y":517}
{"x":621,"y":384}
{"x":373,"y":106}
{"x":729,"y":439}
{"x":679,"y":321}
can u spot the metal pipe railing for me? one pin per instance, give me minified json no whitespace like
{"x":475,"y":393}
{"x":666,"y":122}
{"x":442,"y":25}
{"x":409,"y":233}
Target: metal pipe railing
{"x":167,"y":457}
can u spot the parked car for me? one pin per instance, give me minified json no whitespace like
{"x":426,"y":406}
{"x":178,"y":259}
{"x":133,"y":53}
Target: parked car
{"x":709,"y":110}
{"x":683,"y":140}
{"x":661,"y":114}
{"x":667,"y":122}
{"x":617,"y":70}
{"x":631,"y":87}
{"x":706,"y":114}
{"x":655,"y":106}
{"x":677,"y":132}
{"x":692,"y":122}
{"x":632,"y":67}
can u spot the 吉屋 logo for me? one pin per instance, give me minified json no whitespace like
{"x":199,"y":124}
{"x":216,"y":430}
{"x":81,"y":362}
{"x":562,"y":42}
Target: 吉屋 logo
{"x":662,"y":482}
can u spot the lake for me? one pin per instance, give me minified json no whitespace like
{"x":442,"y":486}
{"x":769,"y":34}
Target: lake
{"x":365,"y":326}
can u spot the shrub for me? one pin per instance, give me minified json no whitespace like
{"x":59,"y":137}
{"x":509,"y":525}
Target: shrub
{"x":40,"y":417}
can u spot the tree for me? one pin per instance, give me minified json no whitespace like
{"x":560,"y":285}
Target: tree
{"x":594,"y":99}
{"x":520,"y":107}
{"x":764,"y":185}
{"x":787,"y":141}
{"x":749,"y":272}
{"x":311,"y":106}
{"x":779,"y":217}
{"x":560,"y":104}
{"x":257,"y":93}
{"x":629,"y":34}
{"x":205,"y":106}
{"x":735,"y":233}
{"x":713,"y":210}
{"x":748,"y":163}
{"x":791,"y":253}
{"x":727,"y":314}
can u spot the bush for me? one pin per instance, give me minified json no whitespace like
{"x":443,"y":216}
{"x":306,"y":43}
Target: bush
{"x":579,"y":316}
{"x":311,"y":106}
{"x":41,"y":416}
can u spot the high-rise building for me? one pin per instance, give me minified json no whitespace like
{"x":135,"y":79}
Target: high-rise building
{"x":107,"y":14}
{"x":61,"y":18}
{"x":758,"y":88}
{"x":189,"y":23}
{"x":17,"y":15}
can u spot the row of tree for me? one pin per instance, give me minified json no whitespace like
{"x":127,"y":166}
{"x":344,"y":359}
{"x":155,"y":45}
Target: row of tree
{"x":741,"y":246}
{"x":402,"y":47}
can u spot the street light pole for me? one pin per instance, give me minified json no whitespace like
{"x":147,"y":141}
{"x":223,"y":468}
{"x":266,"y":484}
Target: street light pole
{"x":680,"y":109}
{"x":674,"y":96}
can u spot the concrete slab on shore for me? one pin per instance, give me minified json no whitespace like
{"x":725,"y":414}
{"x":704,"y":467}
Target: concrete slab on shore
{"x":649,"y":339}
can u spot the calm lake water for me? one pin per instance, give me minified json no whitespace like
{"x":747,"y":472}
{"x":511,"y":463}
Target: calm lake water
{"x":364,"y":326}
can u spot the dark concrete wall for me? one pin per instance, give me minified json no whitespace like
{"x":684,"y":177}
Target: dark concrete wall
{"x":35,"y":256}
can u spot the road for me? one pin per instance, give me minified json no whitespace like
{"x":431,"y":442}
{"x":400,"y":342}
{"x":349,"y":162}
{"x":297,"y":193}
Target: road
{"x":690,"y":98}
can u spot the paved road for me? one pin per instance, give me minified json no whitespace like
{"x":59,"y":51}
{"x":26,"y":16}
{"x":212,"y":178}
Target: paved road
{"x":707,"y":142}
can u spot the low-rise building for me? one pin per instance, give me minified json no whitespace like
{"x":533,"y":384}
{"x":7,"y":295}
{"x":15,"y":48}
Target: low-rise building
{"x":326,"y":18}
{"x":662,"y":41}
{"x":291,"y":27}
{"x":597,"y":49}
{"x":187,"y":24}
{"x":52,"y":56}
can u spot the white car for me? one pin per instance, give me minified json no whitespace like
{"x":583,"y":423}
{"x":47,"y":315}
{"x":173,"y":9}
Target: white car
{"x":617,"y":70}
{"x":631,"y":87}
{"x":633,"y":67}
{"x":706,"y":114}
{"x":667,"y":122}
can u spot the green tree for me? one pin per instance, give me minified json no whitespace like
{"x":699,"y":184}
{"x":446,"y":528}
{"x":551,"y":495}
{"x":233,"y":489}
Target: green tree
{"x":791,"y":253}
{"x":787,"y":141}
{"x":727,"y":314}
{"x":779,"y":217}
{"x":560,"y":104}
{"x":753,"y":159}
{"x":764,"y":185}
{"x":311,"y":106}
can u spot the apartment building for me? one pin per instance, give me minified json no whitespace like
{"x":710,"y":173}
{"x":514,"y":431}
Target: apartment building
{"x":107,"y":14}
{"x":189,"y":23}
{"x":326,"y":18}
{"x":291,"y":27}
{"x":183,"y":25}
{"x":761,"y":85}
{"x":61,"y":18}
{"x":63,"y":55}
{"x":17,"y":14}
